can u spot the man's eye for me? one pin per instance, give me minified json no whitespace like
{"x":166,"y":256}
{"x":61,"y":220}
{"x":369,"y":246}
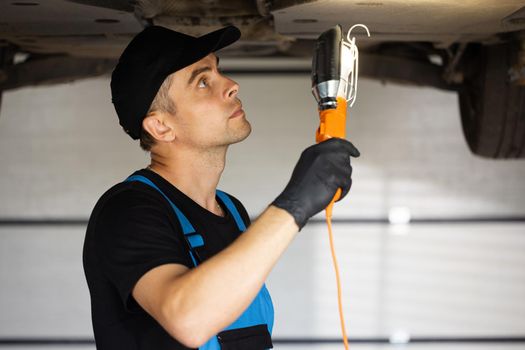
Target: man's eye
{"x":202,"y":83}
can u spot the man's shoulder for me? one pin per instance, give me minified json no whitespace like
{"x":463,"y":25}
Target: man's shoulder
{"x":130,"y":192}
{"x":127,"y":194}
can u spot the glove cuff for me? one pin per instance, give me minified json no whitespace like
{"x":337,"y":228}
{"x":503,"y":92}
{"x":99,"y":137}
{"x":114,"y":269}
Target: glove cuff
{"x":294,"y":209}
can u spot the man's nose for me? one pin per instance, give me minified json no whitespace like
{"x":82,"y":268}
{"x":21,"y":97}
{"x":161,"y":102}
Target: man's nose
{"x":232,"y":88}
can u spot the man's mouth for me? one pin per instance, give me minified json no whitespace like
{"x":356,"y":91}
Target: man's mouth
{"x":237,"y":113}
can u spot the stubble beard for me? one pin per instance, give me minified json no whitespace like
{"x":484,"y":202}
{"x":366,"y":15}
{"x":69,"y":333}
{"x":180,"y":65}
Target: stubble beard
{"x":241,"y":133}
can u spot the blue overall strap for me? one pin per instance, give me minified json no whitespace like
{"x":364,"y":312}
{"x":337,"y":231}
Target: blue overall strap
{"x":232,"y":209}
{"x":260,"y":311}
{"x":194,"y":239}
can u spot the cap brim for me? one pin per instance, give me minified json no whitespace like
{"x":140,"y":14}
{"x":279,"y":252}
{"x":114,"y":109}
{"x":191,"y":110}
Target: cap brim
{"x":211,"y":42}
{"x":221,"y":37}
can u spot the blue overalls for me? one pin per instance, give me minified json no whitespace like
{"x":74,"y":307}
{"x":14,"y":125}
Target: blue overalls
{"x":253,"y":328}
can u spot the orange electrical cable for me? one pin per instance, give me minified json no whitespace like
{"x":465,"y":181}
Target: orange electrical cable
{"x":336,"y":268}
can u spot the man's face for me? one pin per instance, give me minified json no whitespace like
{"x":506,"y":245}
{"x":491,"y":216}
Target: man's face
{"x":209,"y":113}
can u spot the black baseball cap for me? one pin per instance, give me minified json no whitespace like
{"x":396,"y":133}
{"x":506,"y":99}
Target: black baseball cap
{"x":149,"y":58}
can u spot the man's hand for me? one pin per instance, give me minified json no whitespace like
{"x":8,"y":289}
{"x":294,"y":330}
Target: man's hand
{"x":320,"y":171}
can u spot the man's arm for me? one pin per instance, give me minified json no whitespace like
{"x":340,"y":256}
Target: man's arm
{"x":195,"y":304}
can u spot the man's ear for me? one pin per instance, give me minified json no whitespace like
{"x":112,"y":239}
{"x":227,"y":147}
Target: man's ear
{"x":156,"y":124}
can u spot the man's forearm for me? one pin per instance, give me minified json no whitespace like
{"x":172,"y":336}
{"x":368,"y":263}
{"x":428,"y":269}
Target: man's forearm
{"x":214,"y":294}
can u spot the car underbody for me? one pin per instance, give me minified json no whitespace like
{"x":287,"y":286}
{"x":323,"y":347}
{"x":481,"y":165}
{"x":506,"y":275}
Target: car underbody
{"x":475,"y":47}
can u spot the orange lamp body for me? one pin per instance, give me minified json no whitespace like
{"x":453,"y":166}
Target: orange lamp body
{"x":332,"y":124}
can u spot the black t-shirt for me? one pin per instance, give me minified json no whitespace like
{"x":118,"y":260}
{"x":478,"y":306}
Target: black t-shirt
{"x":133,"y":229}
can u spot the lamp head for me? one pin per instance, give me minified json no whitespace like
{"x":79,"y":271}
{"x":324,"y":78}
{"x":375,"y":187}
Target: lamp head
{"x":335,"y":67}
{"x":326,"y":68}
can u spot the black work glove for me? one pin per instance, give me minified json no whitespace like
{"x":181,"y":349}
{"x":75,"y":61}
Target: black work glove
{"x":320,"y":171}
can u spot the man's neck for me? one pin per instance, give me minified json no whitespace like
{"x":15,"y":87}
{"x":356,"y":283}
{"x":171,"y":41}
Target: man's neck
{"x":194,"y":172}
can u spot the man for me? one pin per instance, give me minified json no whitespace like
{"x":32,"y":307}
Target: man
{"x":164,"y":257}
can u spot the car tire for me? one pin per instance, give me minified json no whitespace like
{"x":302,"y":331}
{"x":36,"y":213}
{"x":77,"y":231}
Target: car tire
{"x":492,"y":107}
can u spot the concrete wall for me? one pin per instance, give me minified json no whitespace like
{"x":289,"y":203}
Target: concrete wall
{"x":61,"y":148}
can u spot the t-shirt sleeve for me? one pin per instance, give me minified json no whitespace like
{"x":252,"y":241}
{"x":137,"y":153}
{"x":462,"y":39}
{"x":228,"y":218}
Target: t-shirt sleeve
{"x":135,"y":233}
